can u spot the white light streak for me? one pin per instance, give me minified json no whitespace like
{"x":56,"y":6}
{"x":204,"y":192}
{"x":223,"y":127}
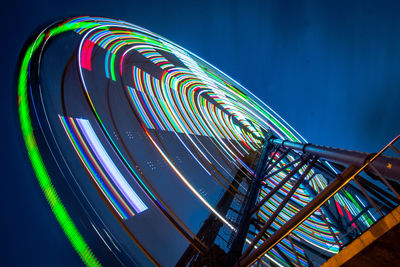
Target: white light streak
{"x":110,"y":167}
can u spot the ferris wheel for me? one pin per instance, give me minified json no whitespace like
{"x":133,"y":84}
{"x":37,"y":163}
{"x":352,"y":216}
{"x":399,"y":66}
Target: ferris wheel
{"x":148,"y":154}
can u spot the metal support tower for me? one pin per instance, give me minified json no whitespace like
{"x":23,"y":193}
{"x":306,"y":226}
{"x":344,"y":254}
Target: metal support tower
{"x":377,"y":166}
{"x":238,"y":243}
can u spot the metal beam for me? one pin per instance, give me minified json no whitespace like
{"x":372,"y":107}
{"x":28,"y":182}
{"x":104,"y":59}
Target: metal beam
{"x":374,"y":189}
{"x":325,"y":209}
{"x":276,"y":150}
{"x":370,"y":200}
{"x":282,"y":156}
{"x":283,"y":168}
{"x":387,"y":166}
{"x":388,"y":185}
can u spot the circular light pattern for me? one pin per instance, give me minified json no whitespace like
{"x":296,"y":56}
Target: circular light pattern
{"x":141,"y":140}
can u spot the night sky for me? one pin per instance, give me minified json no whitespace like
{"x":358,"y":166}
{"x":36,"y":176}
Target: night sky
{"x":331,"y":69}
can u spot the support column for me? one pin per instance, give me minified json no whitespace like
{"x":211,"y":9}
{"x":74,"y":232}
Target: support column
{"x":244,"y":224}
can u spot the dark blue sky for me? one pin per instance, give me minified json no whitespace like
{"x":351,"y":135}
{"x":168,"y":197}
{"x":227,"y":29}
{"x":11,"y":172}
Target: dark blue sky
{"x":330,"y":68}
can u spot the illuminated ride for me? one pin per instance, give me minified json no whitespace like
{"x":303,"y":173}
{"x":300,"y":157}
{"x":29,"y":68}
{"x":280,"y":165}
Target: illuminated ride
{"x":148,"y":155}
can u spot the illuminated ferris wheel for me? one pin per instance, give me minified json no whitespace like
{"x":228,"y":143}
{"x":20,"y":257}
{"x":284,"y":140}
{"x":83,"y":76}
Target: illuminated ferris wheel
{"x":149,"y":155}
